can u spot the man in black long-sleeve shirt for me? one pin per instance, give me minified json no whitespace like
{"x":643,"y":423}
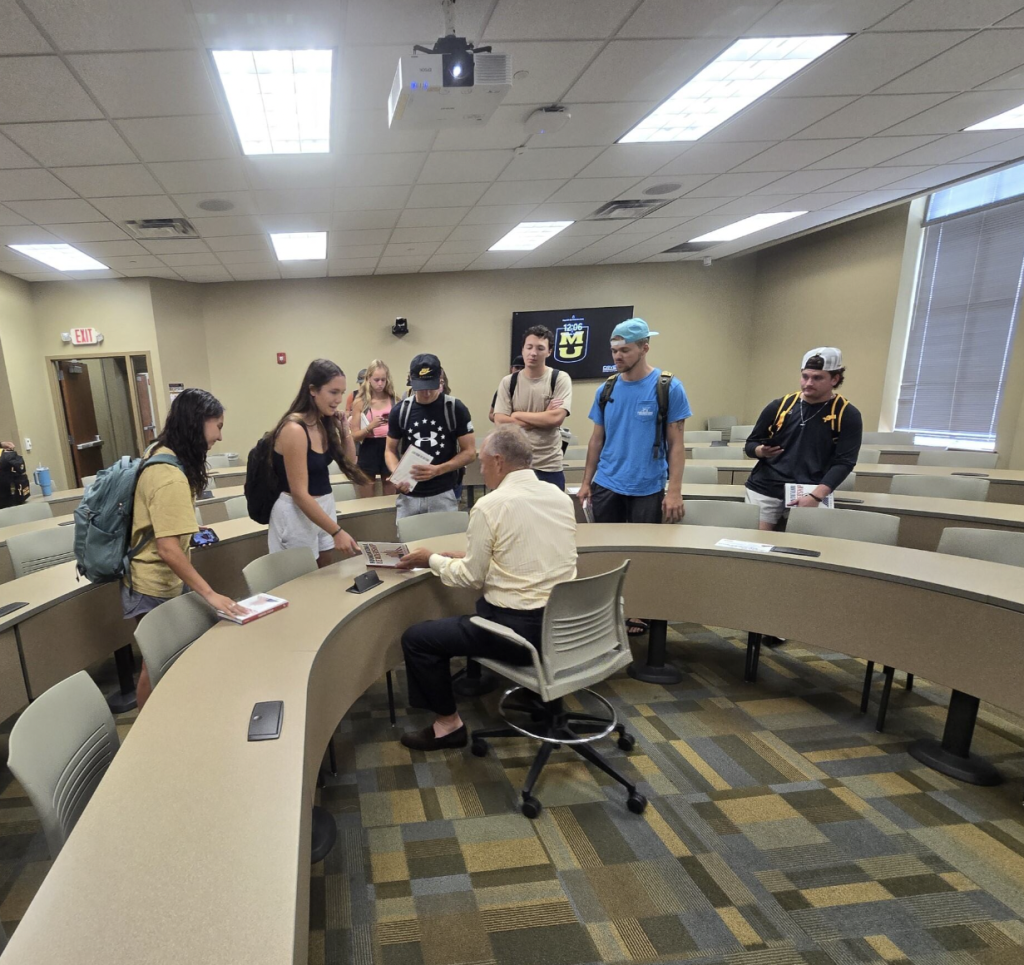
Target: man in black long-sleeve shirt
{"x":811,"y":436}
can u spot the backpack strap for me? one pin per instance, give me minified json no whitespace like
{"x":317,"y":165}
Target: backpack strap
{"x":512,"y":390}
{"x":661,"y":428}
{"x":836,"y":418}
{"x":785,"y":407}
{"x":554,"y":379}
{"x":606,"y":392}
{"x":449,"y":413}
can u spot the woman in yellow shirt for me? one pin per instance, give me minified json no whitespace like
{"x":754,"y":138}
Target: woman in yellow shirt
{"x":165,"y":511}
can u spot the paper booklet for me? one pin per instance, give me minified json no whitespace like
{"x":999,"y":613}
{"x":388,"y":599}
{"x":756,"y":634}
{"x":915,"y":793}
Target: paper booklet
{"x":258,"y":606}
{"x":413,"y":456}
{"x":384,"y":554}
{"x":795,"y":490}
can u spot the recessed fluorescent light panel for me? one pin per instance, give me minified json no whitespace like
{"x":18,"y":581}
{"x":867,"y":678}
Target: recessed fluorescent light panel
{"x":1008,"y":120}
{"x":300,"y":246}
{"x":749,"y":69}
{"x":528,"y":235}
{"x":748,"y":226}
{"x":61,"y":257}
{"x":280,"y":99}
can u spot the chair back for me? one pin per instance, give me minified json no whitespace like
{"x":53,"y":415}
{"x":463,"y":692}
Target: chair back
{"x":165,"y":633}
{"x":575,"y":453}
{"x":845,"y":524}
{"x":60,"y":748}
{"x":993,"y":545}
{"x":964,"y":459}
{"x":719,"y":512}
{"x":699,"y":435}
{"x":850,"y":482}
{"x":25,"y":513}
{"x":871,"y":456}
{"x":218,"y":460}
{"x":739,"y":434}
{"x":87,"y":481}
{"x":700,"y":475}
{"x":584,"y":621}
{"x":426,"y":525}
{"x":721,"y":421}
{"x":236,"y":507}
{"x":940,"y":487}
{"x":719,"y":453}
{"x":270,"y":571}
{"x":343,"y":491}
{"x":31,"y":552}
{"x":887,"y":438}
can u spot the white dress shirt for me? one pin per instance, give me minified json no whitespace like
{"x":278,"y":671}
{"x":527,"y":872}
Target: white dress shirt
{"x":521,"y":542}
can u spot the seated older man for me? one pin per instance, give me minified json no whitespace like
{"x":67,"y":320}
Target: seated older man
{"x":521,"y":542}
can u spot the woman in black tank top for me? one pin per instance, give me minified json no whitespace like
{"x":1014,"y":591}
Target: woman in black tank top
{"x":306,"y":441}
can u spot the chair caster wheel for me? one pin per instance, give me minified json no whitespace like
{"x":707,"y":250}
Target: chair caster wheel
{"x":627,"y":742}
{"x":531,"y":807}
{"x":479,"y":748}
{"x":637,"y":803}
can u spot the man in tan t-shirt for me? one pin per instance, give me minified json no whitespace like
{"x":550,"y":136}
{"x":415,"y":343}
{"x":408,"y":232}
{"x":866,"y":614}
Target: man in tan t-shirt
{"x":539,"y":403}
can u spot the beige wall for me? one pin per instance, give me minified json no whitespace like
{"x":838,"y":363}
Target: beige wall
{"x":15,"y":313}
{"x":181,"y":338}
{"x":465,"y":318}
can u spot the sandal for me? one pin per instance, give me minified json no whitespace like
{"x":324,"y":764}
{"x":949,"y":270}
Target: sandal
{"x":636,"y":628}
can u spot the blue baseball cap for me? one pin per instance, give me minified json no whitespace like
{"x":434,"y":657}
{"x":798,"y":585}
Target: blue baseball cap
{"x":632,"y":330}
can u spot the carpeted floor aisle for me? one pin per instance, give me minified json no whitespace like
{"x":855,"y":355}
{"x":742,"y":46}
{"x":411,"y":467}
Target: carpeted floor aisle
{"x":782,"y":830}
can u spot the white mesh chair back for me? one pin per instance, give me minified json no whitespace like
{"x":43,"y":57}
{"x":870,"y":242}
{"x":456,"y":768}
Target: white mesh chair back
{"x":739,"y":434}
{"x":983,"y":544}
{"x":575,"y":453}
{"x":850,"y":482}
{"x":427,"y":525}
{"x":887,"y":438}
{"x":845,"y":524}
{"x":165,"y":633}
{"x":966,"y":460}
{"x":722,"y":421}
{"x":236,"y":507}
{"x":940,"y":487}
{"x":719,"y":512}
{"x":343,"y":491}
{"x":234,"y":459}
{"x":60,"y":748}
{"x":699,"y":435}
{"x":700,"y":475}
{"x":267,"y":572}
{"x":218,"y":460}
{"x":25,"y":513}
{"x":31,"y":552}
{"x":870,"y":456}
{"x":719,"y":453}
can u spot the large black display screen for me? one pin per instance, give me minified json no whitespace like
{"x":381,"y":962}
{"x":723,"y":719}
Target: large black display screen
{"x":581,"y":337}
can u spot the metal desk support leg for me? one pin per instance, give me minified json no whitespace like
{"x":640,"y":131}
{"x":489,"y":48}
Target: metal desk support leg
{"x":656,"y":671}
{"x":953,"y":756}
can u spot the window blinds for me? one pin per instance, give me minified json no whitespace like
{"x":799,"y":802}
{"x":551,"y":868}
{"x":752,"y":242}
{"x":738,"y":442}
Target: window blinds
{"x":961,"y":332}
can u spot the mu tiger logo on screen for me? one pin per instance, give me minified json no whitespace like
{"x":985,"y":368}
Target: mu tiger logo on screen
{"x":571,"y":340}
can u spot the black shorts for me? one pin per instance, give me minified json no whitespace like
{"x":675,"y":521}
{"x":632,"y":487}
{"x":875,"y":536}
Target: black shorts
{"x":371,"y":458}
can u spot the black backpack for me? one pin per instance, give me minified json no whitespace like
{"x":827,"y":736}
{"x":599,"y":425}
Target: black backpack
{"x":13,"y":479}
{"x":262,"y":487}
{"x":515,"y":381}
{"x":661,"y":393}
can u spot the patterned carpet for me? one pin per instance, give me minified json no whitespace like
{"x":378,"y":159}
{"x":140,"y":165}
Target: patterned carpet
{"x":782,"y":830}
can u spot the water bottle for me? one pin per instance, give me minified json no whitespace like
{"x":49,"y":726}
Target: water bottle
{"x":41,"y":477}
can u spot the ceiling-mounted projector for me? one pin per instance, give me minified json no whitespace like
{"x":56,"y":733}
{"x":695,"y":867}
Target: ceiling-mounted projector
{"x":452,"y":84}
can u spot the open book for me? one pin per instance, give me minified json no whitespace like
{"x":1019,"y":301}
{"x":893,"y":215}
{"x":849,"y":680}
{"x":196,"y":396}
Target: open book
{"x":795,"y":490}
{"x":258,"y":606}
{"x":384,"y":554}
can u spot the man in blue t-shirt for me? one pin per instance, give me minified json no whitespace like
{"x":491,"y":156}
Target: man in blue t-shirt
{"x":624,"y":481}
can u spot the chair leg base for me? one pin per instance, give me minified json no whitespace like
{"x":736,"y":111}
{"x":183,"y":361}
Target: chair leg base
{"x":325,"y":834}
{"x":971,"y":769}
{"x":120,"y":703}
{"x":665,"y":674}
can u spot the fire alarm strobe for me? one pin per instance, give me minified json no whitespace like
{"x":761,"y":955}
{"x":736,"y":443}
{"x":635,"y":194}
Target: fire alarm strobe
{"x":282,"y":357}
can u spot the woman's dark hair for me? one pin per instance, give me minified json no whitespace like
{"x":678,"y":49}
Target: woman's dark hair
{"x":184,"y":433}
{"x":319,"y":373}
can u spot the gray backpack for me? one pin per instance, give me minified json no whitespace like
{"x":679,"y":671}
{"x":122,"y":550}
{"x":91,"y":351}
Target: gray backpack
{"x":103,"y":520}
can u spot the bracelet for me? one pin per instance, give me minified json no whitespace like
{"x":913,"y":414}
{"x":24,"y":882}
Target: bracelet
{"x":816,"y":498}
{"x":338,"y":530}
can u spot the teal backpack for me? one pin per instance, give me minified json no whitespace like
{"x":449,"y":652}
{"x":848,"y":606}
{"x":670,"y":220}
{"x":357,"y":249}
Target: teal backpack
{"x":103,"y":520}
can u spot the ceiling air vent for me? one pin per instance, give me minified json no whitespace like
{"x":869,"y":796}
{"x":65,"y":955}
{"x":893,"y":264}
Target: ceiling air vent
{"x":626,"y":210}
{"x":161,"y":229}
{"x":691,"y":246}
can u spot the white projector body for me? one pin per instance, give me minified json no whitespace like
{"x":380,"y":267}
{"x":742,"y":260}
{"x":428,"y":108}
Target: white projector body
{"x":419,"y":99}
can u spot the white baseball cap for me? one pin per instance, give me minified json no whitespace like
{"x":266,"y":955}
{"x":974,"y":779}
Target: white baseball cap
{"x":832,"y":358}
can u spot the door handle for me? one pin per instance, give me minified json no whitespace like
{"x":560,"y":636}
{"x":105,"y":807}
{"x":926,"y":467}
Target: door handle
{"x":89,"y":445}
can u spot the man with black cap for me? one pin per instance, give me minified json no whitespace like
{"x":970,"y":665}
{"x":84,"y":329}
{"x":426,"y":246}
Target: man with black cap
{"x":440,"y":425}
{"x":810,"y":437}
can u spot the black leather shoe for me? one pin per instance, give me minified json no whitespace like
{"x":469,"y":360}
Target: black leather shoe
{"x":424,"y":740}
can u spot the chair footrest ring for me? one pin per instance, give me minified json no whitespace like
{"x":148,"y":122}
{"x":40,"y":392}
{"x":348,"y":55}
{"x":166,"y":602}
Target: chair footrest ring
{"x":612,"y":721}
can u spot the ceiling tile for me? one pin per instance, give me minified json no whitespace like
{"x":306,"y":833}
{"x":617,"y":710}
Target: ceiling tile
{"x":871,"y":114}
{"x":447,"y":263}
{"x":418,"y":250}
{"x":108,"y":181}
{"x":399,"y":265}
{"x":27,"y":235}
{"x":1008,"y":150}
{"x":553,"y":20}
{"x":111,"y":249}
{"x":244,"y":203}
{"x":253,"y":273}
{"x":382,"y":197}
{"x":197,"y":138}
{"x":687,"y":207}
{"x":631,"y":160}
{"x":595,"y":125}
{"x":660,"y":188}
{"x":458,"y":249}
{"x":448,"y":167}
{"x":428,"y":217}
{"x":793,"y":155}
{"x":978,"y":59}
{"x":948,"y":14}
{"x":800,"y":182}
{"x":194,"y":177}
{"x":486,"y":233}
{"x":445,"y":195}
{"x":364,"y":131}
{"x":8,"y":217}
{"x":734,"y":185}
{"x":369,"y":236}
{"x":189,"y":260}
{"x":956,"y":113}
{"x":874,"y":178}
{"x":89,"y":231}
{"x":130,"y":262}
{"x":952,"y":147}
{"x":503,"y":131}
{"x":163,"y":83}
{"x":755,"y":204}
{"x":132,"y":209}
{"x":564,"y":210}
{"x":930,"y":178}
{"x":500,"y":214}
{"x":72,"y":143}
{"x":54,"y":212}
{"x":670,"y":18}
{"x":347,"y":272}
{"x":309,"y":221}
{"x":520,"y":192}
{"x":219,"y":227}
{"x":293,"y":200}
{"x":869,"y":151}
{"x":238,"y":244}
{"x":548,"y":78}
{"x":12,"y":156}
{"x":538,"y":164}
{"x":343,"y":252}
{"x":374,"y":218}
{"x":30,"y":184}
{"x":354,"y":264}
{"x":205,"y":273}
{"x":369,"y":170}
{"x":19,"y":36}
{"x":111,"y":25}
{"x":777,"y":117}
{"x":667,"y":65}
{"x":409,"y":21}
{"x":267,"y":24}
{"x":710,"y":157}
{"x":597,"y":190}
{"x":182,"y":246}
{"x":364,"y":75}
{"x":41,"y":89}
{"x":150,"y":273}
{"x":798,"y":17}
{"x":420,"y":234}
{"x":272,"y":173}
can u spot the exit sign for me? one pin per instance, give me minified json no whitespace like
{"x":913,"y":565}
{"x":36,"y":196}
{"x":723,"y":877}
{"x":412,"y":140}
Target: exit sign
{"x":85,"y":336}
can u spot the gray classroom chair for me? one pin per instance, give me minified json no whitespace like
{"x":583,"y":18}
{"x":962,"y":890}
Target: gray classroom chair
{"x":719,"y":512}
{"x":218,"y":460}
{"x":719,"y":453}
{"x":700,"y":475}
{"x":739,"y":434}
{"x":722,"y":422}
{"x":699,"y":435}
{"x":940,"y":487}
{"x":165,"y":633}
{"x":850,"y":482}
{"x":60,"y":748}
{"x":575,"y":453}
{"x":25,"y":513}
{"x":344,"y":491}
{"x":31,"y":552}
{"x":845,"y":524}
{"x":869,"y":456}
{"x":983,"y":544}
{"x":236,"y":507}
{"x":427,"y":525}
{"x":964,"y":459}
{"x":583,"y":642}
{"x":267,"y":572}
{"x":87,"y":481}
{"x":888,"y":438}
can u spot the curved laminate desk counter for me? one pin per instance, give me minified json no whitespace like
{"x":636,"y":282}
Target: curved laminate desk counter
{"x":197,"y":841}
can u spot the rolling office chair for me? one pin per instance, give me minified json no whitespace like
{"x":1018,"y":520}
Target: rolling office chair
{"x":25,"y":513}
